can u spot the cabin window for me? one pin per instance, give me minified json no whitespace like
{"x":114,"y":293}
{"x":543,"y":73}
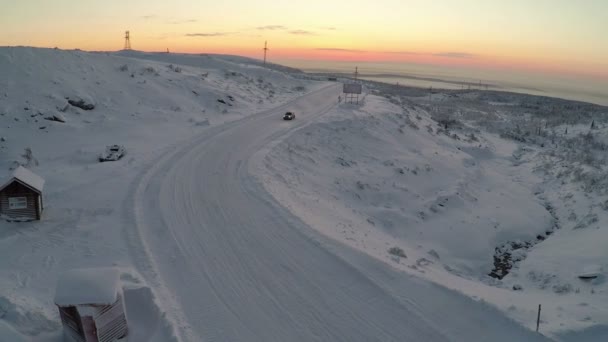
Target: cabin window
{"x":17,"y":203}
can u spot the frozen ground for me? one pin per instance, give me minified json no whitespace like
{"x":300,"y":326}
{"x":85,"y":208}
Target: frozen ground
{"x":432,"y":180}
{"x":206,"y":253}
{"x":150,"y":106}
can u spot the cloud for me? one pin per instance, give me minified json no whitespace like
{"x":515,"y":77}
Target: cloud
{"x":148,"y":17}
{"x":272,"y":27}
{"x":454,"y":54}
{"x":208,"y":34}
{"x":329,"y":28}
{"x":340,"y":50}
{"x":403,"y":52}
{"x":302,"y":33}
{"x":163,"y":37}
{"x":178,"y":22}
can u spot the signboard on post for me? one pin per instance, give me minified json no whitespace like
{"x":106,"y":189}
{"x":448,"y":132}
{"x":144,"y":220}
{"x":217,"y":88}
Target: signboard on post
{"x":352,"y":92}
{"x":352,"y":88}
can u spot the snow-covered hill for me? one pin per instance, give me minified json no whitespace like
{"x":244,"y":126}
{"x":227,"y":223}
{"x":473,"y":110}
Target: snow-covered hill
{"x":443,"y":190}
{"x":148,"y":103}
{"x":430,"y":187}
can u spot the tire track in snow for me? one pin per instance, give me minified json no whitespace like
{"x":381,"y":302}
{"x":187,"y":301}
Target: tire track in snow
{"x":153,"y":173}
{"x":221,"y":257}
{"x":235,"y":266}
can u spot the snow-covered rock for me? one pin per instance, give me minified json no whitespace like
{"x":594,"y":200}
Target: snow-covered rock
{"x":591,"y":272}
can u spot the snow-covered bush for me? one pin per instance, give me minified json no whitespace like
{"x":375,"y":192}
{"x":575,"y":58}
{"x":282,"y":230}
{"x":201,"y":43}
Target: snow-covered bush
{"x":396,"y":251}
{"x":542,"y":279}
{"x":411,"y":123}
{"x":28,"y":157}
{"x":174,"y":68}
{"x":588,"y":220}
{"x":562,"y":288}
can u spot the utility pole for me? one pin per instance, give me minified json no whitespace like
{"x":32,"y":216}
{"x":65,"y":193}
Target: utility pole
{"x":127,"y":41}
{"x":265,"y":51}
{"x":538,"y":319}
{"x":356,"y":72}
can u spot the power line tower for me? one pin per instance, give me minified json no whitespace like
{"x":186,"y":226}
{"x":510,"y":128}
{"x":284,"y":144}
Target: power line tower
{"x":265,"y":51}
{"x":127,"y":41}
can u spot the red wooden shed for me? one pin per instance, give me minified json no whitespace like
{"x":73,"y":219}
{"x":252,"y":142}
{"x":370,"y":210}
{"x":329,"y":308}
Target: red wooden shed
{"x":21,"y":196}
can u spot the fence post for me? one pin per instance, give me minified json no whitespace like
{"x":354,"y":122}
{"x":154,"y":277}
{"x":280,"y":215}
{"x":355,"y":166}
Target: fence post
{"x":538,"y":318}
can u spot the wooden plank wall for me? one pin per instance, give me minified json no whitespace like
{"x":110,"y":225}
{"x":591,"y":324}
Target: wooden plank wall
{"x":72,"y":328}
{"x":16,"y":189}
{"x":112,"y":322}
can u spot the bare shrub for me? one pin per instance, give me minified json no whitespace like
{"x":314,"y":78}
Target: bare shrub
{"x":396,"y":251}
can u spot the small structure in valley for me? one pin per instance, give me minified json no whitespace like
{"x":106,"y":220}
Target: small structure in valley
{"x":21,"y":196}
{"x":91,"y":305}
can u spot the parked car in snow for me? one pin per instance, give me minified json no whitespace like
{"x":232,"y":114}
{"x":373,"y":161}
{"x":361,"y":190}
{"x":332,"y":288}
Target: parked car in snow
{"x":289,"y":116}
{"x":112,"y":153}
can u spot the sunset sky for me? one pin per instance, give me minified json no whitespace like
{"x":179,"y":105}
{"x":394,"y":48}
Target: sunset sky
{"x":556,"y":36}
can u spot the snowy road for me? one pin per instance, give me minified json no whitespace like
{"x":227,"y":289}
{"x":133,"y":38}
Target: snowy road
{"x":230,"y":264}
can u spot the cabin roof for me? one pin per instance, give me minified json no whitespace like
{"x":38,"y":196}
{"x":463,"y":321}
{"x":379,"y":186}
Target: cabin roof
{"x":26,"y":177}
{"x":88,"y":286}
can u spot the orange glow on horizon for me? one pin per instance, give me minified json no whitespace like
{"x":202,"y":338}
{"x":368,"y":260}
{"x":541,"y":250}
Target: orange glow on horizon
{"x":559,"y":37}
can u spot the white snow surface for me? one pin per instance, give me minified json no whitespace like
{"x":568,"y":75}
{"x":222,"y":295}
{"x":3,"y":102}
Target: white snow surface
{"x":251,"y":271}
{"x":140,"y":103}
{"x":88,"y":286}
{"x":227,"y":223}
{"x":28,"y":177}
{"x":7,"y":333}
{"x":381,"y":176}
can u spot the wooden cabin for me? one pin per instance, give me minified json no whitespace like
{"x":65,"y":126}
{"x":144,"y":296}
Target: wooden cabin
{"x":21,"y":196}
{"x":91,"y":305}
